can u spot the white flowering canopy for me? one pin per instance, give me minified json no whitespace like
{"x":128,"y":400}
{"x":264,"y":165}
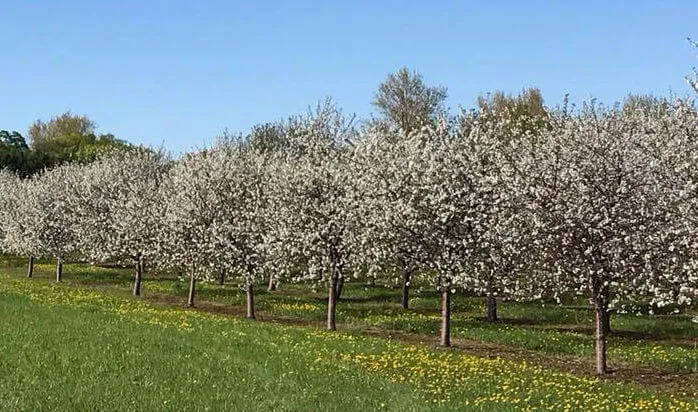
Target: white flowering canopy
{"x":311,"y":195}
{"x":119,"y":207}
{"x":46,"y":227}
{"x":605,"y":206}
{"x":10,"y":208}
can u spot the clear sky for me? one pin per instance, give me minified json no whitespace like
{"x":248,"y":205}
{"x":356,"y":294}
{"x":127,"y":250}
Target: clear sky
{"x":176,"y":73}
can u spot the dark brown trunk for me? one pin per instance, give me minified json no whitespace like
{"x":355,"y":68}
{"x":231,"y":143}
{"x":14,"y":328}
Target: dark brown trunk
{"x":332,"y":303}
{"x":445,"y":318}
{"x":607,"y":323}
{"x":272,"y":283}
{"x":138,"y":278}
{"x":192,"y":288}
{"x":339,"y":286}
{"x":30,"y":267}
{"x":491,"y":307}
{"x":59,"y":270}
{"x":250,"y":301}
{"x":405,"y":301}
{"x":600,"y":311}
{"x":222,"y":279}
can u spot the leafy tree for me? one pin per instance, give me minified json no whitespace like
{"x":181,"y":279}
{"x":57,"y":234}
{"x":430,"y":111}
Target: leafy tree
{"x":15,"y":154}
{"x":406,"y":103}
{"x":525,"y":111}
{"x":77,"y":148}
{"x":66,"y":124}
{"x":69,"y":138}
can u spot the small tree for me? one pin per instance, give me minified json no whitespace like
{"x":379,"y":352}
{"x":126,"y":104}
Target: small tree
{"x":119,"y":210}
{"x":246,"y":214}
{"x":46,"y":227}
{"x":9,"y":184}
{"x":311,"y":196}
{"x":406,"y":103}
{"x":460,"y":204}
{"x":389,"y":240}
{"x":603,"y":207}
{"x":66,"y":124}
{"x":195,"y":232}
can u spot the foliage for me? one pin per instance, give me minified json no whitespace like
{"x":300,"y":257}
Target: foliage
{"x":406,"y":103}
{"x":15,"y":155}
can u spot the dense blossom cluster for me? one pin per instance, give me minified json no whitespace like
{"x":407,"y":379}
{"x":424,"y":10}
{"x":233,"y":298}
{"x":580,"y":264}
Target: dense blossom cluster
{"x":597,"y":201}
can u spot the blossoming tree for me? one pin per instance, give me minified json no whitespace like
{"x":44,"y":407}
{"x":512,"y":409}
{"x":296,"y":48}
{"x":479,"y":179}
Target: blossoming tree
{"x":119,"y":209}
{"x":603,"y":209}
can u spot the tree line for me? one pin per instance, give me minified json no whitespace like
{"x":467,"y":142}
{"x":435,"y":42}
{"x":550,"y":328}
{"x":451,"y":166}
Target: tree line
{"x":62,"y":139}
{"x":512,"y":200}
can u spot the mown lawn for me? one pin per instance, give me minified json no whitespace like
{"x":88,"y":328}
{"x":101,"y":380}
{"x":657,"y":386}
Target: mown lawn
{"x":69,"y":347}
{"x":666,"y":342}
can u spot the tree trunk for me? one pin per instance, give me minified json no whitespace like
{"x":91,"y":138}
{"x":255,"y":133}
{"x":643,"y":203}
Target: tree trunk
{"x":272,"y":283}
{"x":607,"y":323}
{"x":406,"y":274}
{"x":222,"y":279}
{"x":192,"y":288}
{"x":491,"y":307}
{"x":59,"y":270}
{"x":339,"y":286}
{"x":138,"y":278}
{"x":250,"y":301}
{"x":30,"y":267}
{"x":607,"y":318}
{"x":332,"y":303}
{"x":600,"y":310}
{"x":445,"y":318}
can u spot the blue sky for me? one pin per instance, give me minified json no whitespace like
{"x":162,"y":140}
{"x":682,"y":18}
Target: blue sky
{"x":176,"y":73}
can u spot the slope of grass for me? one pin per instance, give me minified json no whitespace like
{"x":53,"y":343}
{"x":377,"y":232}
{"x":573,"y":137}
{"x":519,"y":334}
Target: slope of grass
{"x":666,"y":342}
{"x":71,"y":348}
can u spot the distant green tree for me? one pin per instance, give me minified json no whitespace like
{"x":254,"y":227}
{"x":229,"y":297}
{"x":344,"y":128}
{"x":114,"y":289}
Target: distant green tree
{"x":525,"y":111}
{"x":15,"y":154}
{"x":645,"y":103}
{"x":65,"y":124}
{"x":77,"y":148}
{"x":69,"y":138}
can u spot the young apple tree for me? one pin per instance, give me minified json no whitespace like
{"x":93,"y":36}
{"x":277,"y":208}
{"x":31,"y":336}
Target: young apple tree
{"x":46,"y":227}
{"x":311,"y":196}
{"x":246,"y":213}
{"x":602,"y":207}
{"x":459,"y":200}
{"x":119,"y":209}
{"x":196,"y":233}
{"x":388,"y":239}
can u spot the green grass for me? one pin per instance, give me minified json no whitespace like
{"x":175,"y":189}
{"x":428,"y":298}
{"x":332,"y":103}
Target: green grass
{"x":73,"y":348}
{"x":665,"y":342}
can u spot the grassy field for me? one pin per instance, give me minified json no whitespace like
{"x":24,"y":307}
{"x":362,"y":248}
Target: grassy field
{"x":86,"y":344}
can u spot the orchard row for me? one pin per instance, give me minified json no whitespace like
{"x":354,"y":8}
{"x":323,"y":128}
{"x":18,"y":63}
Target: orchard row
{"x":595,"y":201}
